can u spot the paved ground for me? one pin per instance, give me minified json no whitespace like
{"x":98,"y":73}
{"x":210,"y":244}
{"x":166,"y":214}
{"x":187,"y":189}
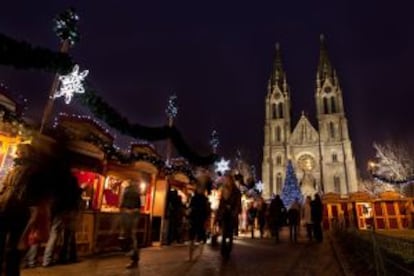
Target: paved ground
{"x":249,"y":257}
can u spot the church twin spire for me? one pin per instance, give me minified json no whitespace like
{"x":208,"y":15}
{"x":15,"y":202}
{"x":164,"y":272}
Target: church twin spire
{"x":325,"y":70}
{"x":278,"y":76}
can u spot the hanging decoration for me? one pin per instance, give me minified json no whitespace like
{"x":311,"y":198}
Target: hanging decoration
{"x":172,"y":108}
{"x":22,"y":55}
{"x":222,"y":166}
{"x":259,"y":186}
{"x":71,"y":83}
{"x":66,"y":26}
{"x":392,"y":181}
{"x":214,"y":140}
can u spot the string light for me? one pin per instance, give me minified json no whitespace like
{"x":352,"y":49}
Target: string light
{"x":172,"y":109}
{"x":66,"y":26}
{"x":214,"y":140}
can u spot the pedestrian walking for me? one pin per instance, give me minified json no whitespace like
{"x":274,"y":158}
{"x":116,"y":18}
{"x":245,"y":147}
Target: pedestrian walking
{"x":307,"y":218}
{"x":294,"y":219}
{"x":317,"y":215}
{"x":130,"y":212}
{"x":199,"y":211}
{"x":261,"y":215}
{"x":277,"y":216}
{"x":251,"y":218}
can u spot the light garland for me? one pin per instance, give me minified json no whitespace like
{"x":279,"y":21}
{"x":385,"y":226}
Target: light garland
{"x":66,"y":26}
{"x":172,"y":109}
{"x":71,"y":83}
{"x":214,"y":140}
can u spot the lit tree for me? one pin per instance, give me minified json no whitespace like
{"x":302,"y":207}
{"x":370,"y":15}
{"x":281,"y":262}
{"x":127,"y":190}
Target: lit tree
{"x":394,"y":165}
{"x":291,"y":190}
{"x":374,"y":187}
{"x":394,"y":162}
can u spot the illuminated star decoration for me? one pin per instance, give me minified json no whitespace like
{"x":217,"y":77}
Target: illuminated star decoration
{"x":259,"y":186}
{"x":71,"y":84}
{"x":222,"y":166}
{"x":66,"y":26}
{"x":172,"y":109}
{"x":214,"y":140}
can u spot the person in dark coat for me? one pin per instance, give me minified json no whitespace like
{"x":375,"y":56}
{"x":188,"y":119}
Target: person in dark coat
{"x":251,"y":217}
{"x":24,"y":192}
{"x":276,"y":213}
{"x":317,"y":215}
{"x":228,"y":213}
{"x":261,"y":215}
{"x":294,"y":219}
{"x":199,"y":211}
{"x":130,"y":211}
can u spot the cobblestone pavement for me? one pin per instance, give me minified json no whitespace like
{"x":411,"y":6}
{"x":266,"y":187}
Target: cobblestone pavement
{"x":249,"y":257}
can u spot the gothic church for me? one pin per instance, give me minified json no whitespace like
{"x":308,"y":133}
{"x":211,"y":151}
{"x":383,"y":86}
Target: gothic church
{"x":322,"y":158}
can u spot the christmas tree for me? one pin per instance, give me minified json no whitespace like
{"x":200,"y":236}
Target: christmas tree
{"x":291,"y":190}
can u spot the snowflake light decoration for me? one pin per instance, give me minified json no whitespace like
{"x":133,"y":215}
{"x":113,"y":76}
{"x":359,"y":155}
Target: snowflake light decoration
{"x":214,"y":140}
{"x":172,"y":109}
{"x":259,"y":186}
{"x":71,"y":84}
{"x":222,"y":166}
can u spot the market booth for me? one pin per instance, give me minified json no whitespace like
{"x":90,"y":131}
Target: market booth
{"x":386,"y":211}
{"x":180,"y":183}
{"x":143,"y":170}
{"x":392,"y":211}
{"x":83,"y":139}
{"x":12,"y":132}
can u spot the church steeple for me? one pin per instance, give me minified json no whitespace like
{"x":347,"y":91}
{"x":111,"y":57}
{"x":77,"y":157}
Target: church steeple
{"x":325,"y":69}
{"x":278,"y":76}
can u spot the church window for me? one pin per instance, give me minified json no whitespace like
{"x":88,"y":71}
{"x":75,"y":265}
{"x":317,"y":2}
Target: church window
{"x":274,"y":111}
{"x":280,"y":110}
{"x":278,"y":181}
{"x":333,"y":105}
{"x":337,"y":184}
{"x":278,"y":134}
{"x":331,"y":130}
{"x":278,"y":160}
{"x":334,"y":157}
{"x":325,"y":106}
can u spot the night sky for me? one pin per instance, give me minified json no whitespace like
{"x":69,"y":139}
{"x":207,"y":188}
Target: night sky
{"x":217,"y":59}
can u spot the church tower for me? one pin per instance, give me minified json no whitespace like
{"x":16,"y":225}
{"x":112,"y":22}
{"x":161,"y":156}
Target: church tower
{"x":338,"y":169}
{"x":277,"y":129}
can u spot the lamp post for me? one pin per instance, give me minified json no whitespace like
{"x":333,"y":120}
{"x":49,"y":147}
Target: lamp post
{"x":67,"y":31}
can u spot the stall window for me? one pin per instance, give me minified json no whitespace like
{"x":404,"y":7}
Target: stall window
{"x":111,"y":194}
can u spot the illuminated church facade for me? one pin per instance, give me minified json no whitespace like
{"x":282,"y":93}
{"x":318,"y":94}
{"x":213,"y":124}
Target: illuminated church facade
{"x":322,"y":157}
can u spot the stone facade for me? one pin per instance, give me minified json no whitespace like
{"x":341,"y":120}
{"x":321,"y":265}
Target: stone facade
{"x":323,"y":158}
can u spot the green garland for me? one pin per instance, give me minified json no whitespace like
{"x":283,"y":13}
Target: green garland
{"x":22,"y":55}
{"x":114,"y":119}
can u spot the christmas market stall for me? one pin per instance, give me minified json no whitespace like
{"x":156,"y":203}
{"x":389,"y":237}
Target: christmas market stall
{"x":392,"y":211}
{"x":140,"y":167}
{"x":180,"y":181}
{"x":85,"y":139}
{"x":12,"y":131}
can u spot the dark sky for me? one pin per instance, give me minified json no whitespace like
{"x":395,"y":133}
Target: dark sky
{"x":217,"y":59}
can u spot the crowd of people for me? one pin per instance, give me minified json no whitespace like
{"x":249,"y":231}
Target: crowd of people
{"x":40,"y":200}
